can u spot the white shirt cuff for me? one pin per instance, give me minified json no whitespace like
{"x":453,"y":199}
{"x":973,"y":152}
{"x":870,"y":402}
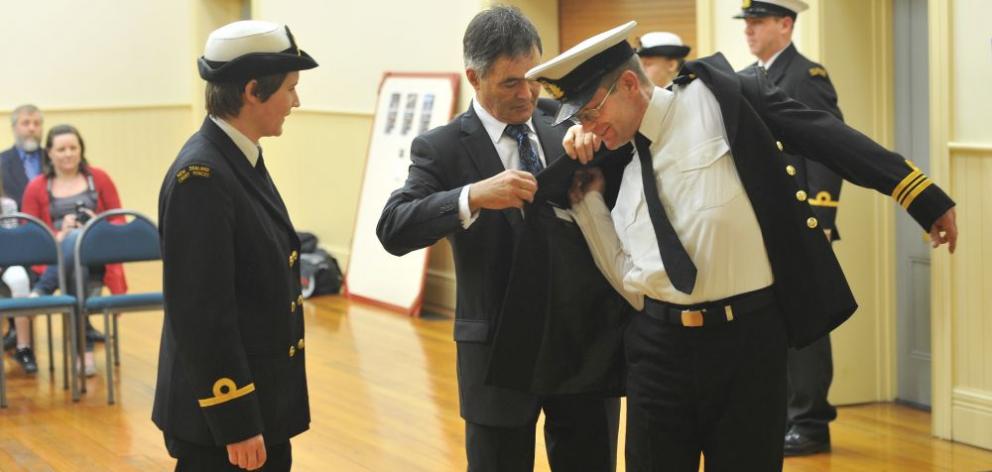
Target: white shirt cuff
{"x":464,"y":212}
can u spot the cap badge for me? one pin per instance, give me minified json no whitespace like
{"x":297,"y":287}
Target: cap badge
{"x":554,"y":90}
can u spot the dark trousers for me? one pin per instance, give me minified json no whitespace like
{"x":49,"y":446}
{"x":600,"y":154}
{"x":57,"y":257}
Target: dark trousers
{"x":197,"y":458}
{"x":580,"y":434}
{"x":714,"y":390}
{"x":810,"y":371}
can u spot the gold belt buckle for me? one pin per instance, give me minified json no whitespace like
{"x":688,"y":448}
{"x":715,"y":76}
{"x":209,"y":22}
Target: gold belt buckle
{"x":692,"y":319}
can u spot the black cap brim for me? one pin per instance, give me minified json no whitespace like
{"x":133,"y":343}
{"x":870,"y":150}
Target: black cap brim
{"x":254,"y":65}
{"x":571,"y":106}
{"x":672,"y":51}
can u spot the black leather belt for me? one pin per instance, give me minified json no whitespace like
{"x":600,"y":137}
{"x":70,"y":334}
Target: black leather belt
{"x":710,"y":313}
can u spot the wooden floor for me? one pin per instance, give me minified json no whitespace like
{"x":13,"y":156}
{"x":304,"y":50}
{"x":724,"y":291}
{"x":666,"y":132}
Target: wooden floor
{"x":383,"y":398}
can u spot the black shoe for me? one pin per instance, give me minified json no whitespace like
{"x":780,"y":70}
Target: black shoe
{"x":801,"y":443}
{"x":10,"y":340}
{"x":25,"y":357}
{"x":92,"y":335}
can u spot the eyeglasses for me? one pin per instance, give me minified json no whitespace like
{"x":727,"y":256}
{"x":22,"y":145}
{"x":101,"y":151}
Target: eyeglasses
{"x":590,"y":115}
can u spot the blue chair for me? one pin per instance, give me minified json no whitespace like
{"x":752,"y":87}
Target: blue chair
{"x":103,"y":242}
{"x":26,"y":241}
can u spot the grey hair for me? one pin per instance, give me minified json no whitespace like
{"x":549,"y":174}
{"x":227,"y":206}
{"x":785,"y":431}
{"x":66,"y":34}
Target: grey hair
{"x":27,"y":108}
{"x":496,"y":32}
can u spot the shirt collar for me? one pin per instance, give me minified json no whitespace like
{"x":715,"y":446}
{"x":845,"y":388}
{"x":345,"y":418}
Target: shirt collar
{"x":247,"y":146}
{"x":654,"y":117}
{"x":24,"y":155}
{"x":768,"y":65}
{"x":493,"y":126}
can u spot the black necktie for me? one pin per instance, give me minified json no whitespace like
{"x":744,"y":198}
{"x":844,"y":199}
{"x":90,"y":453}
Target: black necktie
{"x":681,"y":271}
{"x":264,"y":173}
{"x":528,"y":157}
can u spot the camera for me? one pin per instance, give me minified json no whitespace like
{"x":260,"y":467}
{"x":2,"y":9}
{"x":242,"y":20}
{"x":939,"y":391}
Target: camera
{"x":81,"y":215}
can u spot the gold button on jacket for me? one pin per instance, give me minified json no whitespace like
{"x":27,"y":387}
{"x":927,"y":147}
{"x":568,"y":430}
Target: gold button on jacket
{"x":801,"y":195}
{"x":790,"y":169}
{"x":811,"y":222}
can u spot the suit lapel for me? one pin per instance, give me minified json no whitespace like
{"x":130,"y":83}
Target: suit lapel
{"x":246,"y":174}
{"x":483,"y":154}
{"x":13,"y":168}
{"x":550,"y":140}
{"x":719,"y":76}
{"x":781,"y":64}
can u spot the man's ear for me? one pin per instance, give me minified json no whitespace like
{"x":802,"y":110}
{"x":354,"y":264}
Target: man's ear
{"x":473,"y":78}
{"x":248,"y":94}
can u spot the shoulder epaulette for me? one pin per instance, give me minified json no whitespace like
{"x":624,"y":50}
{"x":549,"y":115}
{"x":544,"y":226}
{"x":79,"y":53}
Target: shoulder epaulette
{"x":817,"y":71}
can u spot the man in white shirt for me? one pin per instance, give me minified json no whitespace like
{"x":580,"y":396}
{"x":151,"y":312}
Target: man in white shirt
{"x":468,"y":182}
{"x":711,"y":242}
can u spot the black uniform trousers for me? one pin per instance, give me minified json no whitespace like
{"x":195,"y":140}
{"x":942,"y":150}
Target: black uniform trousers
{"x":811,"y":369}
{"x":580,"y":433}
{"x":197,"y":458}
{"x":715,"y":390}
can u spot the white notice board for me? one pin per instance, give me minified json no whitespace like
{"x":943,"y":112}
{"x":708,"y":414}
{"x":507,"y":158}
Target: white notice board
{"x":408,"y":105}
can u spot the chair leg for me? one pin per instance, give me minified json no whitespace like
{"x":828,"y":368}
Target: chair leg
{"x":3,"y":379}
{"x":65,"y":351}
{"x":81,"y":321}
{"x":75,"y":360}
{"x":108,"y":355}
{"x":51,"y":358}
{"x":117,"y":343}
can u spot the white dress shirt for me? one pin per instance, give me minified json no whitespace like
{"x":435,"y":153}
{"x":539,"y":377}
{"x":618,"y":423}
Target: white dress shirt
{"x":246,"y":145}
{"x":506,"y":147}
{"x":703,"y":197}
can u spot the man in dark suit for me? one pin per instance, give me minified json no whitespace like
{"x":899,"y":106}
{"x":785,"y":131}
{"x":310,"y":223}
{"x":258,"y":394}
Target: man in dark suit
{"x":231,"y":388}
{"x":710,"y":241}
{"x":468,"y":182}
{"x":769,"y":29}
{"x":18,"y":165}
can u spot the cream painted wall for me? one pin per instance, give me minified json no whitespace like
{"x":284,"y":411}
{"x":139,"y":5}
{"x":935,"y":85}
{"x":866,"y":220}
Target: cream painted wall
{"x":98,"y":53}
{"x":961,"y":53}
{"x":859,"y":65}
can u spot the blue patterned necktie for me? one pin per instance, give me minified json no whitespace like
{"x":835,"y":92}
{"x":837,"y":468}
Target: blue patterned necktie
{"x":528,"y":155}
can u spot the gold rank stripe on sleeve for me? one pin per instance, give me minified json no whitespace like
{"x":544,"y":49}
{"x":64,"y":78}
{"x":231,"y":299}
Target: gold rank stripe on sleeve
{"x":817,"y":71}
{"x":823,"y":199}
{"x":911,"y":186}
{"x":224,"y":391}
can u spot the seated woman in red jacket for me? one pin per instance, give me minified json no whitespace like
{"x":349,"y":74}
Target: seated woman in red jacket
{"x":67,"y":186}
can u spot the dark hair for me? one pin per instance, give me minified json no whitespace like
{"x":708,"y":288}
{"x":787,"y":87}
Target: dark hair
{"x":224,"y":98}
{"x":496,"y":32}
{"x":58,"y":130}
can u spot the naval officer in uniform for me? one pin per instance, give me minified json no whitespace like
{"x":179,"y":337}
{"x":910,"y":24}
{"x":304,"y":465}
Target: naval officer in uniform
{"x":232,"y":388}
{"x":710,"y":241}
{"x":769,"y":28}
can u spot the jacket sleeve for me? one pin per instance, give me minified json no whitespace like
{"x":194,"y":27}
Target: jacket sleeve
{"x":424,"y":210}
{"x":198,"y":234}
{"x":820,"y":136}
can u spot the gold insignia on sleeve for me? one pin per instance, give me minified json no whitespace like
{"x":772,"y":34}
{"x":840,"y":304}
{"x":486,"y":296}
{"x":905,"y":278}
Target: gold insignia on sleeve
{"x":293,"y":256}
{"x":554,"y":90}
{"x":911,"y":186}
{"x":194,"y":170}
{"x":224,"y":391}
{"x":823,"y":199}
{"x":817,"y":71}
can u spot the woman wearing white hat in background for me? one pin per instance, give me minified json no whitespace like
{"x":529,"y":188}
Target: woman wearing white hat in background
{"x":231,"y":388}
{"x":662,"y":55}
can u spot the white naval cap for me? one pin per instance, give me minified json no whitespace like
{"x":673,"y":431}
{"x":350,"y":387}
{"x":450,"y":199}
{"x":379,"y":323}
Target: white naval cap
{"x":662,"y":43}
{"x":573,"y":76}
{"x":251,"y":48}
{"x":753,"y":9}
